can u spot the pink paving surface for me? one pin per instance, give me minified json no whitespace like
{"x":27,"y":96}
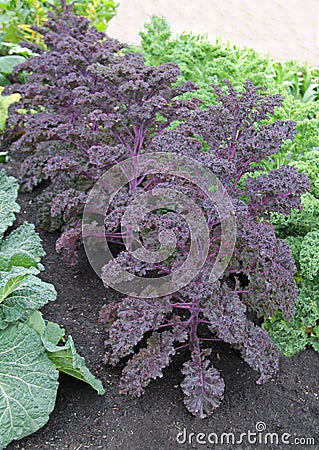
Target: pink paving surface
{"x":287,"y":29}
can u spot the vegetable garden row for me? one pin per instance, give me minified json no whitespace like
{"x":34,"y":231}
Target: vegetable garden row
{"x":82,"y":103}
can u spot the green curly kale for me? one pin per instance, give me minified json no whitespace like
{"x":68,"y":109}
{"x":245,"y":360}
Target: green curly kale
{"x":302,"y":151}
{"x":205,"y":62}
{"x":301,"y":232}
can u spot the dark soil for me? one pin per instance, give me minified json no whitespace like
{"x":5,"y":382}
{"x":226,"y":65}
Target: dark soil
{"x":83,"y":420}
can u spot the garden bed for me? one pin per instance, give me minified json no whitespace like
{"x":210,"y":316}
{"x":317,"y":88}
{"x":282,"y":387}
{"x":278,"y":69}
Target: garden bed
{"x":88,"y":106}
{"x":288,"y":403}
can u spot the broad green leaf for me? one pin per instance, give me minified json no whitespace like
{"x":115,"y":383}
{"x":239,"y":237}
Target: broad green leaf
{"x":54,"y":333}
{"x":16,"y":49}
{"x":67,"y":360}
{"x":28,"y":383}
{"x":8,"y":63}
{"x":8,"y":207}
{"x":11,"y":280}
{"x":65,"y":357}
{"x":49,"y":331}
{"x":31,"y":294}
{"x":36,"y":322}
{"x":22,"y":247}
{"x":4,"y":81}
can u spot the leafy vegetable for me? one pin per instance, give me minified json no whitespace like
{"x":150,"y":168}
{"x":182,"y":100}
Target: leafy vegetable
{"x":89,"y":135}
{"x":204,"y":62}
{"x":8,"y":205}
{"x":306,"y":116}
{"x":65,"y":357}
{"x":29,"y":367}
{"x":254,"y":279}
{"x":203,"y":388}
{"x":21,"y":248}
{"x":28,"y":383}
{"x":88,"y":106}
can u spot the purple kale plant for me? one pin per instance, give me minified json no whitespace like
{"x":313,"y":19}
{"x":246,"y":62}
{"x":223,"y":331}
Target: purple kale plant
{"x":227,"y":138}
{"x":87,"y":106}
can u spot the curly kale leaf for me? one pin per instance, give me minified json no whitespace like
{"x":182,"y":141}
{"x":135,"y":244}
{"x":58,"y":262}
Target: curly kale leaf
{"x":308,"y":163}
{"x":260,"y":276}
{"x":147,"y":364}
{"x":228,"y":320}
{"x":309,"y":255}
{"x":85,"y":107}
{"x":133,"y":317}
{"x":266,"y":192}
{"x":259,"y":352}
{"x":203,"y":386}
{"x":292,"y":336}
{"x":226,"y":315}
{"x":30,"y":295}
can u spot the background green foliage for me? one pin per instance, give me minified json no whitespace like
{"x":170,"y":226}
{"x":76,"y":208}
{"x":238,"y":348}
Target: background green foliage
{"x":207,"y":62}
{"x":18,"y":16}
{"x":10,"y":56}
